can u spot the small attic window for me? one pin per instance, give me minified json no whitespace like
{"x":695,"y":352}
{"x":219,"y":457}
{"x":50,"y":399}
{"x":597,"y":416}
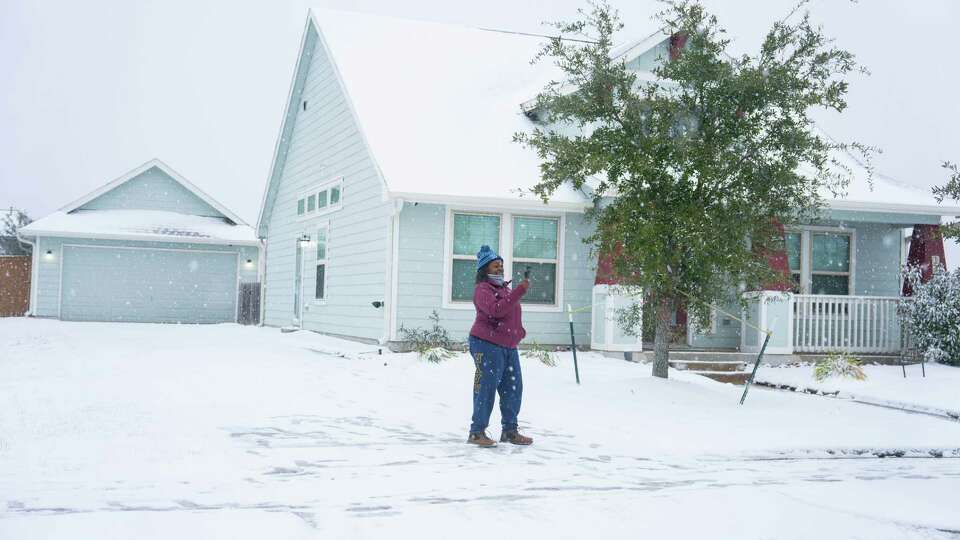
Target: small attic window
{"x":304,"y":104}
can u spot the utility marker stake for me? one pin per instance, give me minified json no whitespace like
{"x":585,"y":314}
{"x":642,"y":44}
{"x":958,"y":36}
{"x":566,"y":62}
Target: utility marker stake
{"x":573,"y":343}
{"x":756,"y":364}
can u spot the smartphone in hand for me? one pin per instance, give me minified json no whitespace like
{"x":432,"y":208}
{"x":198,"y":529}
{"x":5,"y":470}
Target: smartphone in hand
{"x":526,"y":273}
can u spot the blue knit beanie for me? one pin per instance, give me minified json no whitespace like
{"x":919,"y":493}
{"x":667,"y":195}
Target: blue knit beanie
{"x":486,"y":256}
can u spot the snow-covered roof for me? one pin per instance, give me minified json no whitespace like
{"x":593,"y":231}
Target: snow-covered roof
{"x":143,"y":225}
{"x":884,"y":194}
{"x":439,"y":103}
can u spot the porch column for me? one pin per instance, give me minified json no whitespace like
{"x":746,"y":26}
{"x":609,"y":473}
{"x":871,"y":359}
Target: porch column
{"x":769,"y":311}
{"x":608,"y":298}
{"x":926,"y":251}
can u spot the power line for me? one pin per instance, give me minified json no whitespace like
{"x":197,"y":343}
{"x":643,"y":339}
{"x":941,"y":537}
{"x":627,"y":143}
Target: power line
{"x":529,"y":34}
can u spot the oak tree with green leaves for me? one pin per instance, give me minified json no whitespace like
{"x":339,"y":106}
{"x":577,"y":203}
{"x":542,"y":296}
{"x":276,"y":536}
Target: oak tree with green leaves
{"x":691,"y":174}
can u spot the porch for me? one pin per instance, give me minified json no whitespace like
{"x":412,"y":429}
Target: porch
{"x":817,"y":324}
{"x":798,"y":324}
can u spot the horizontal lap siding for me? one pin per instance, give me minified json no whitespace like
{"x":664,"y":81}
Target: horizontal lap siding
{"x":48,"y":267}
{"x":153,"y":189}
{"x":420,"y":276}
{"x":728,"y":328}
{"x":325,"y":142}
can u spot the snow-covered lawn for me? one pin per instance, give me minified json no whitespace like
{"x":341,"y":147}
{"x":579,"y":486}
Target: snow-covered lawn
{"x":939,"y":391}
{"x":163,"y":431}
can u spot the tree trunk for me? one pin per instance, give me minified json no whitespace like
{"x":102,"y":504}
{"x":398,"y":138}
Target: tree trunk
{"x":661,"y":340}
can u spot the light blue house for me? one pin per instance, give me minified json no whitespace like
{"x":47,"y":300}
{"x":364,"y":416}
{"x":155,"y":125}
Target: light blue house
{"x":146,"y":247}
{"x":395,"y":162}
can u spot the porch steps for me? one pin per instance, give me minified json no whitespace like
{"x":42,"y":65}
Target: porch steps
{"x":728,"y":371}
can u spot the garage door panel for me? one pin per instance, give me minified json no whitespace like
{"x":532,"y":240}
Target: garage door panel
{"x":148,"y":285}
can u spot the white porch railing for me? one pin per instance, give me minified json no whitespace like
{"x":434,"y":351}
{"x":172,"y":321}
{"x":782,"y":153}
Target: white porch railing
{"x":856,"y":324}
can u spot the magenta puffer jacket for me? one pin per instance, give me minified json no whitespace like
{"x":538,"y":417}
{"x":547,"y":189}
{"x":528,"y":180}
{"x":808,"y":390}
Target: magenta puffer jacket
{"x":498,"y":314}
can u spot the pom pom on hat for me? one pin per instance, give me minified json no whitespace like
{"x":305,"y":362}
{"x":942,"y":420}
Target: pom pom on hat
{"x":485,"y":256}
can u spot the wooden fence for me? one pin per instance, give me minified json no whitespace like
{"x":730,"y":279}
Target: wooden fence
{"x":14,"y":285}
{"x":249,"y":312}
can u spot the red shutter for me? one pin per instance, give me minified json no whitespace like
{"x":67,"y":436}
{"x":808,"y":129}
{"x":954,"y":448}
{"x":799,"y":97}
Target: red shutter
{"x":925,"y":244}
{"x":779,"y":263}
{"x":677,"y":42}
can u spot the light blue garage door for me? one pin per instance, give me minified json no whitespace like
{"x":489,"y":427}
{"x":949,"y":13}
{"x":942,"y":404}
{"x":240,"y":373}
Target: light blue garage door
{"x":148,"y":285}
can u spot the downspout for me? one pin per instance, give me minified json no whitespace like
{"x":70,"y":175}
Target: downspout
{"x":262,"y":277}
{"x":34,"y":255}
{"x":390,"y":313}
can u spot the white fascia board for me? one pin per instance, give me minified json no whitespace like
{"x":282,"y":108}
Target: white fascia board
{"x":144,"y":238}
{"x":493,"y":202}
{"x":895,"y":208}
{"x":177,"y":177}
{"x":283,"y":124}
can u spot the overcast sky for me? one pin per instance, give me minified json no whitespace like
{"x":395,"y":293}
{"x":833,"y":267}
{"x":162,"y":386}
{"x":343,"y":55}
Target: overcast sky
{"x":92,"y":89}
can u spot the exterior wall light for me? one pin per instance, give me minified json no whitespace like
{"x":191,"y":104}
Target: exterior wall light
{"x":49,"y":254}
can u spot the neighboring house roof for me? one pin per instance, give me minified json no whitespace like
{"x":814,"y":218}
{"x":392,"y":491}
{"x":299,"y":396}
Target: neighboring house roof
{"x":74,"y":221}
{"x":143,"y":225}
{"x":438,"y":104}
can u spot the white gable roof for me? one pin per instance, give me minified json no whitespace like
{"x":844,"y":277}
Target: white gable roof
{"x":439,"y":103}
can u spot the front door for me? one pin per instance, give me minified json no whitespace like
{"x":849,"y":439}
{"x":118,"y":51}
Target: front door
{"x":298,"y":284}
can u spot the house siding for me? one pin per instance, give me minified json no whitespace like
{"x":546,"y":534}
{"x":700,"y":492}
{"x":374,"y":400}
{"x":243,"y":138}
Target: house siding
{"x":152,"y":189}
{"x":50,"y":268}
{"x":421,"y":269}
{"x":325,"y":142}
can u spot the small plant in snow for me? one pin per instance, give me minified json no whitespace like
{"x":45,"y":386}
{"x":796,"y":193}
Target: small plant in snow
{"x":932,"y":315}
{"x":436,"y":354}
{"x":433,"y":344}
{"x":537,"y":351}
{"x":839,"y":365}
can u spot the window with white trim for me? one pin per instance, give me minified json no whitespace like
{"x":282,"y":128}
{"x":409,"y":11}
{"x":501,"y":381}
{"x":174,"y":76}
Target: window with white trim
{"x":470,"y":231}
{"x":535,"y":247}
{"x":322,"y":253}
{"x":820,"y":261}
{"x":321,"y":199}
{"x":524,"y":241}
{"x":794,"y":241}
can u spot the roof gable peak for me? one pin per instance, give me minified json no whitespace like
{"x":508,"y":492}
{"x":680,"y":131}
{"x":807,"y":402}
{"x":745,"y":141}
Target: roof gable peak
{"x":140,"y":170}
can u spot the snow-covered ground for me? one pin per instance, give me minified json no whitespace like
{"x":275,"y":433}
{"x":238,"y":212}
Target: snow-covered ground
{"x":939,"y":391}
{"x":165,"y":431}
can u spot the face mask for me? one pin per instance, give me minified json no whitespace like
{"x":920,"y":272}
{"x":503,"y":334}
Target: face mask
{"x":496,"y":279}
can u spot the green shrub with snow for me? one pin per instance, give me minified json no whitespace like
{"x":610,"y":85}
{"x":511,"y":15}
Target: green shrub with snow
{"x":932,"y":315}
{"x":433,"y":344}
{"x":839,"y":364}
{"x":540,"y":353}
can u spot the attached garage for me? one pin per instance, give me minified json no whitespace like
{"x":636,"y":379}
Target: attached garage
{"x":133,"y":284}
{"x":147,"y":247}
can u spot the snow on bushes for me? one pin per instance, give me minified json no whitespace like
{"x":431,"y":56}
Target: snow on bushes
{"x":932,"y":315}
{"x":839,"y":364}
{"x":541,"y":353}
{"x":433,"y":344}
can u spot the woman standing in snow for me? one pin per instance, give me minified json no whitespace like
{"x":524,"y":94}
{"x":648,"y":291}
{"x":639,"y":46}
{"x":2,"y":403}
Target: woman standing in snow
{"x":494,"y":337}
